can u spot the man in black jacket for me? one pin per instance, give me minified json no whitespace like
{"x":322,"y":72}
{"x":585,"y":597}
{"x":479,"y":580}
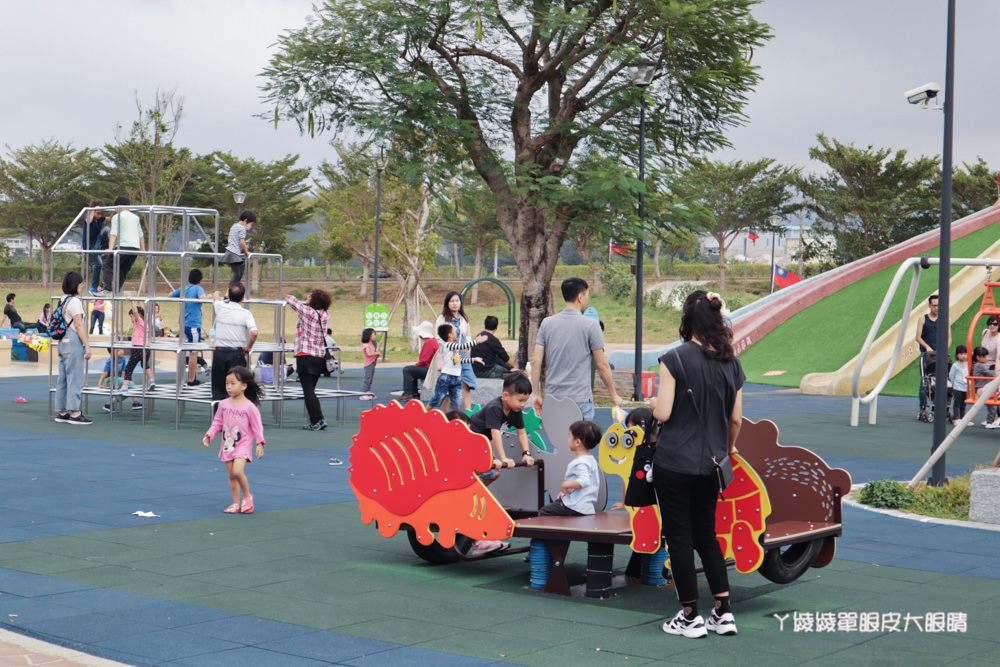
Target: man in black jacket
{"x":494,"y":356}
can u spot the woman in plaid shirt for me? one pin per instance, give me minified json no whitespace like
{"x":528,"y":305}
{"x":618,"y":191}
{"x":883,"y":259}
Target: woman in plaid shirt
{"x":310,"y":348}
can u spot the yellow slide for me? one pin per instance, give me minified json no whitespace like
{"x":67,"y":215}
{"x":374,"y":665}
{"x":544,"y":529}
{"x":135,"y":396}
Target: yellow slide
{"x":966,"y":290}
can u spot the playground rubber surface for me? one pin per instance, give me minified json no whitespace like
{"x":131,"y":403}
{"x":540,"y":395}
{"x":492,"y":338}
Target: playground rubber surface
{"x":303,"y":582}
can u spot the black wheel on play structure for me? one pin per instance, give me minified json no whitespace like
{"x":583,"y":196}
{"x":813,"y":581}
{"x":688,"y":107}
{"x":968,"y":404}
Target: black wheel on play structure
{"x":437,"y":554}
{"x":783,"y":565}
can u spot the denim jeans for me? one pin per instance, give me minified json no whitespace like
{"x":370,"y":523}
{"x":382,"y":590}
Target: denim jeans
{"x":72,"y":373}
{"x":95,"y":277}
{"x":450,"y":386}
{"x":586,"y":409}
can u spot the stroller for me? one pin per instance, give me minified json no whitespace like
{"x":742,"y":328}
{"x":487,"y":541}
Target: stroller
{"x":928,"y":384}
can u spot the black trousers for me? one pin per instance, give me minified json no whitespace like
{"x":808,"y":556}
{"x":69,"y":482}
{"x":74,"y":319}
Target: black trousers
{"x":134,"y":358}
{"x":309,"y":369}
{"x":237,"y":270}
{"x":125,"y":263}
{"x":411,"y":374}
{"x":687,"y":510}
{"x":224,"y":358}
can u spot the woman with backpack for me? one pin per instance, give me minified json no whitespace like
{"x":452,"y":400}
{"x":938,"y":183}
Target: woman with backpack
{"x":68,"y":327}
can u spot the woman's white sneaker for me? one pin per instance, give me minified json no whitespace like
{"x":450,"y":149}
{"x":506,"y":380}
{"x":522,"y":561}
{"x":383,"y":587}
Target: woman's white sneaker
{"x":679,"y":625}
{"x":722,"y":625}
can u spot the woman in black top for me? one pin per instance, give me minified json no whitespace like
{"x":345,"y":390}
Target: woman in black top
{"x":700,"y":404}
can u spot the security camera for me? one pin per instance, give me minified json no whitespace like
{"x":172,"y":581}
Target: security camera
{"x":922,"y":94}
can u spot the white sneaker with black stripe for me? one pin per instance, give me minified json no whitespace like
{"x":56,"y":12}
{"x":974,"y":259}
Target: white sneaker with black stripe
{"x":724,"y":624}
{"x":679,"y":625}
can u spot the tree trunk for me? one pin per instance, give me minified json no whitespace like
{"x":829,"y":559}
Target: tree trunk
{"x":411,"y":309}
{"x":536,"y":254}
{"x":255,"y":277}
{"x":365,"y":269}
{"x":722,"y":268}
{"x":476,"y":273}
{"x":328,"y":270}
{"x":454,"y":252}
{"x":656,"y":256}
{"x":46,"y":263}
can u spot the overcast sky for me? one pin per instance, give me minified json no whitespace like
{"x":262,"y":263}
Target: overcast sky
{"x":72,"y":69}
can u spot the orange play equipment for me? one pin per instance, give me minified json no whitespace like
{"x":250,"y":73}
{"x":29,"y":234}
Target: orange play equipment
{"x":987,"y":307}
{"x":401,"y":474}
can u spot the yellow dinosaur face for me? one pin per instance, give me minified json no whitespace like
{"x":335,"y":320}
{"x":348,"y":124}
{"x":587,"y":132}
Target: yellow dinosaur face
{"x":617,"y":449}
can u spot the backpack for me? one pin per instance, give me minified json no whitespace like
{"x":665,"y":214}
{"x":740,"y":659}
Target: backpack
{"x":58,"y":323}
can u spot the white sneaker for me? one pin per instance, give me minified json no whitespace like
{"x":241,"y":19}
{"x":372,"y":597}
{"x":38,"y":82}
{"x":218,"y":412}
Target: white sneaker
{"x":994,"y":424}
{"x":721,"y":625}
{"x":678,"y":625}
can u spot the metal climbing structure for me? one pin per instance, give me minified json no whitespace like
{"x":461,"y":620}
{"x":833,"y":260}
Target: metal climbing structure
{"x":190,"y":226}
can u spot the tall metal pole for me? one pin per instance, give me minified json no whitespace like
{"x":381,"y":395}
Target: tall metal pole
{"x":379,"y":166}
{"x":640,"y":250}
{"x":944,"y":269}
{"x":772,"y":262}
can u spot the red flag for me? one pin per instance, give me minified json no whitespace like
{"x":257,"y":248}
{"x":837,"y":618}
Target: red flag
{"x":784,"y":278}
{"x":620,"y":249}
{"x":753,"y":236}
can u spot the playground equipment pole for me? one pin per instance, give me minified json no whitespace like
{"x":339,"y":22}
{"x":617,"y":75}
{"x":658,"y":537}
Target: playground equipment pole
{"x":944,"y":269}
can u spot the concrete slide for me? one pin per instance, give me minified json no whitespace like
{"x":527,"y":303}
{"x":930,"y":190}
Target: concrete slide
{"x":966,"y":291}
{"x":753,"y":322}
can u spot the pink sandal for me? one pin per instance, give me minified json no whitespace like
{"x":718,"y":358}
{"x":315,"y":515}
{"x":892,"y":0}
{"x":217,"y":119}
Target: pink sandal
{"x":232,"y":509}
{"x":247,"y":506}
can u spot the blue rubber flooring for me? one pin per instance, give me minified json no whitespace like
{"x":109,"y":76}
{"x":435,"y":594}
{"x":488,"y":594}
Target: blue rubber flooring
{"x":59,"y":481}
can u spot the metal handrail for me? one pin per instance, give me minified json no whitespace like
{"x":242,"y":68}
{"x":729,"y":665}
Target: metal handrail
{"x":916,"y":264}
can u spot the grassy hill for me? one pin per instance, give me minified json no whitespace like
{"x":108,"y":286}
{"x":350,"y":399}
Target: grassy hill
{"x":825,"y":336}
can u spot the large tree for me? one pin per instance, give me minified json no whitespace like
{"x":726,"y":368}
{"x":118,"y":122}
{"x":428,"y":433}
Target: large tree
{"x":973,"y":188}
{"x":275,"y":192}
{"x":871,"y":198}
{"x":735,"y":196}
{"x":42,"y":188}
{"x":516,"y":88}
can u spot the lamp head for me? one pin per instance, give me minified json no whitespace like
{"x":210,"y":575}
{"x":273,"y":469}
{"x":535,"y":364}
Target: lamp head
{"x":641,"y":72}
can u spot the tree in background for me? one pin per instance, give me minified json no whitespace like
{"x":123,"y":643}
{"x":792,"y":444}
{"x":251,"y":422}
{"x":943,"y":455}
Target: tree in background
{"x":973,"y":188}
{"x":275,"y":192}
{"x":471,"y":223}
{"x":533,"y":81}
{"x":870,"y":199}
{"x":345,"y":201}
{"x":42,"y":189}
{"x":735,"y":196}
{"x":677,"y":242}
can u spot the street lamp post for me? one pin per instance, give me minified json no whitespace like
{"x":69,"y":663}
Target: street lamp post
{"x":937,"y":477}
{"x":642,"y":76}
{"x":239,"y":198}
{"x":774,"y":220}
{"x":379,"y":168}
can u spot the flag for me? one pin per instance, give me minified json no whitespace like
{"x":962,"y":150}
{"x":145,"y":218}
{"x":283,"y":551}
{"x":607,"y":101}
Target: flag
{"x":783,"y":277}
{"x":753,"y":236}
{"x":620,"y":249}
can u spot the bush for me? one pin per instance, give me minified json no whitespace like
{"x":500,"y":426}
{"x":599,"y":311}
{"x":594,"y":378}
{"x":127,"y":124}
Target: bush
{"x":887,"y":494}
{"x":617,"y":280}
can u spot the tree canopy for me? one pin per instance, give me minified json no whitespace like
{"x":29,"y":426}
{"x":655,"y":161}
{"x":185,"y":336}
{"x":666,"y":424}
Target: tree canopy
{"x":516,"y":87}
{"x":871,"y":199}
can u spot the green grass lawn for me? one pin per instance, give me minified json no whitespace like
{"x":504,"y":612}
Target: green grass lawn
{"x":825,"y":336}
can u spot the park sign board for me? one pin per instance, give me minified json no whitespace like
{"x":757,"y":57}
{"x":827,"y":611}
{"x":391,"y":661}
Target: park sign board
{"x":377,"y":317}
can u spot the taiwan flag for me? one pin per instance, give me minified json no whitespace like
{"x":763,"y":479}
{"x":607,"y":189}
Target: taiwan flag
{"x":753,"y":236}
{"x":784,"y":278}
{"x":620,"y":249}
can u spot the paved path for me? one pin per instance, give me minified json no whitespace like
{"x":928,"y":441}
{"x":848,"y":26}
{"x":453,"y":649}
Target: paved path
{"x":302,"y":581}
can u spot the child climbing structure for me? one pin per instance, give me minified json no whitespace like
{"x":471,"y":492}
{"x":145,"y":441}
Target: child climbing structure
{"x":167,"y":268}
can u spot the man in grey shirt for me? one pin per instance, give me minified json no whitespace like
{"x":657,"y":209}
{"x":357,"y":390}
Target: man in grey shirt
{"x":235,"y":334}
{"x":566,"y":342}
